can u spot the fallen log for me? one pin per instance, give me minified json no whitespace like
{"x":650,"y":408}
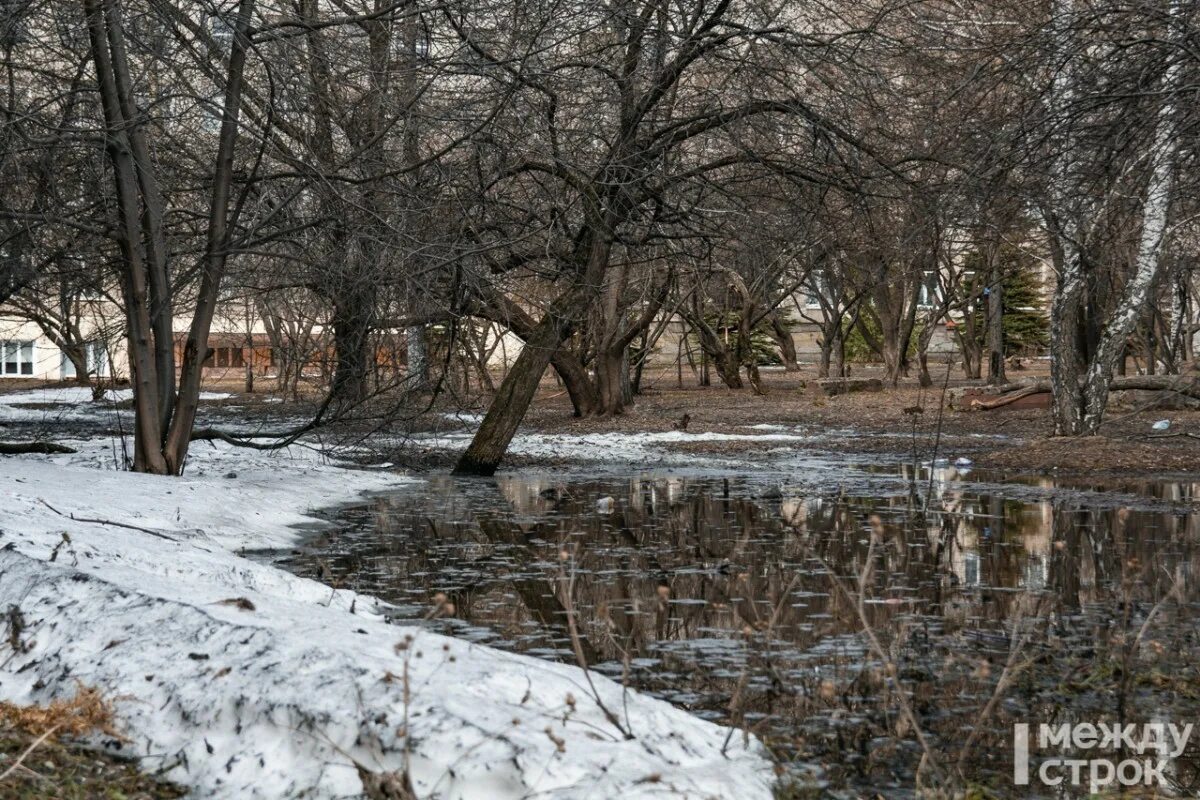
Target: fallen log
{"x":1001,"y":396}
{"x":1005,"y":399}
{"x":39,"y":448}
{"x":279,"y":441}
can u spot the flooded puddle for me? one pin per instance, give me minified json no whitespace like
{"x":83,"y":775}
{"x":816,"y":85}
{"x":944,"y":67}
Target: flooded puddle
{"x":868,"y":623}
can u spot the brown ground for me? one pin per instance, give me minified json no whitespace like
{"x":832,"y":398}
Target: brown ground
{"x":1015,"y":439}
{"x":42,"y":758}
{"x":57,"y":771}
{"x":1005,"y":439}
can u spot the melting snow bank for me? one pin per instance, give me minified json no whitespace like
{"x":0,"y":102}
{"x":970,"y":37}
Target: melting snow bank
{"x":653,"y":446}
{"x":240,"y":680}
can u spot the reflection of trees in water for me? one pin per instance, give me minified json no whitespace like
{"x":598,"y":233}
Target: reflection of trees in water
{"x":672,"y":562}
{"x":685,"y":576}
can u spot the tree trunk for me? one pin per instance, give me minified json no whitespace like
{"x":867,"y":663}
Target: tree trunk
{"x":352,"y":315}
{"x":515,"y":394}
{"x":893,"y":356}
{"x":579,"y":386}
{"x":216,"y":253}
{"x":612,"y":381}
{"x":826,"y":357}
{"x":417,"y":374}
{"x":840,"y":369}
{"x":995,"y":326}
{"x":787,"y":345}
{"x":77,"y":355}
{"x":103,"y":28}
{"x":1064,"y":344}
{"x":1147,"y":263}
{"x":519,"y":386}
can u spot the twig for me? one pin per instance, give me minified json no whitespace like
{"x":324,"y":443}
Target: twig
{"x":876,"y":646}
{"x":16,"y":764}
{"x":108,"y":522}
{"x":577,"y":646}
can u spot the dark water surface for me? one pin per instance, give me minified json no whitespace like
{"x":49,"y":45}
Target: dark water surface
{"x":827,"y":608}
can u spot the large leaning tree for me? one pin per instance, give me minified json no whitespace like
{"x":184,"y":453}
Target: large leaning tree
{"x":632,"y":112}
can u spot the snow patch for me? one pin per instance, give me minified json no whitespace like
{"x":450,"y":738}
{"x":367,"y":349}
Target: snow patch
{"x":612,"y":446}
{"x":280,"y":693}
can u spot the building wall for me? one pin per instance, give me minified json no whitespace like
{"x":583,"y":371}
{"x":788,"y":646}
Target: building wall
{"x":26,"y":352}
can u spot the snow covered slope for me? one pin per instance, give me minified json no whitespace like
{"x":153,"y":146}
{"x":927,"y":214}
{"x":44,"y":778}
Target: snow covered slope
{"x":243,"y":681}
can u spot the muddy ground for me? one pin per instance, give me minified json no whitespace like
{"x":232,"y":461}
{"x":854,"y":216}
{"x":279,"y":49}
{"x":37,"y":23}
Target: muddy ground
{"x":883,"y":423}
{"x":877,"y":422}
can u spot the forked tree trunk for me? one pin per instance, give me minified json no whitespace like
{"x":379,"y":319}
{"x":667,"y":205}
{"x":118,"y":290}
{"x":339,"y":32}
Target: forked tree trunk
{"x":104,"y":29}
{"x":162,"y":420}
{"x":1137,"y":291}
{"x":1148,"y":262}
{"x":216,"y":253}
{"x":517,"y":390}
{"x":494,"y":306}
{"x":1064,"y":221}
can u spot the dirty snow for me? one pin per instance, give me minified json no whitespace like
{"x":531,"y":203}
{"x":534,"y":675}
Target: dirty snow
{"x":65,"y":402}
{"x":645,"y":446}
{"x":281,"y":693}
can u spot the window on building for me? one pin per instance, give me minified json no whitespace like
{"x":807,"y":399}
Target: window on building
{"x":225,"y":357}
{"x":18,"y":357}
{"x":815,"y":288}
{"x":971,"y":569}
{"x":97,"y":360}
{"x":929,"y":289}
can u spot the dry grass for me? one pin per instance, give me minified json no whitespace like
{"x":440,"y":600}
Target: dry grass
{"x":85,"y":713}
{"x":39,"y":756}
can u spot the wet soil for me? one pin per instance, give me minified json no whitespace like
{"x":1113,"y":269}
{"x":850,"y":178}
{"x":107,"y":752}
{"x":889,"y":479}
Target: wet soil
{"x":884,"y":423}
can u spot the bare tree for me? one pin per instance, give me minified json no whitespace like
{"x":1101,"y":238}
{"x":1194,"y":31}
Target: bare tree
{"x":620,"y":165}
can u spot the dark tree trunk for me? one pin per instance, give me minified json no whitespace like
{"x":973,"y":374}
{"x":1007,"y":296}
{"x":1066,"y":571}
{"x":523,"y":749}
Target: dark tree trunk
{"x":613,"y":386}
{"x":578,"y":384}
{"x":1065,"y":372}
{"x":77,"y":355}
{"x":787,"y":345}
{"x":512,"y":399}
{"x":995,"y":329}
{"x":352,"y":315}
{"x":519,"y":386}
{"x":826,"y":357}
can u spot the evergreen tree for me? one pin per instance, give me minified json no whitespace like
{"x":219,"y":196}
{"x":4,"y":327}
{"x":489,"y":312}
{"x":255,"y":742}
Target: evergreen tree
{"x":1026,"y":326}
